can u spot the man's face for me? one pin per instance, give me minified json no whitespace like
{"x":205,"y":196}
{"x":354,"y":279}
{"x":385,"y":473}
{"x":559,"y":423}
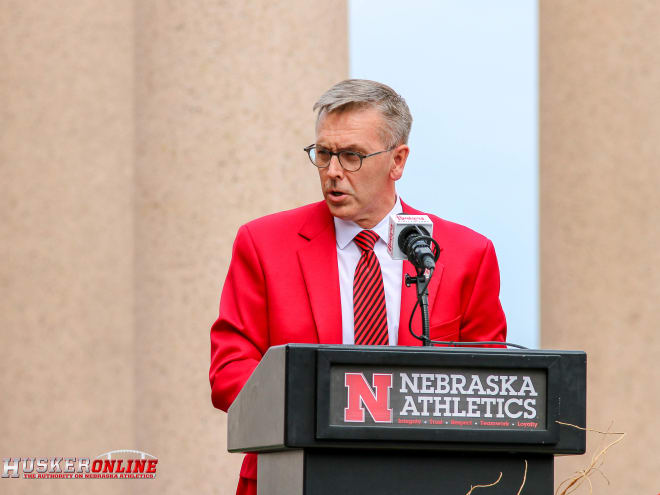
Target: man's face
{"x":367,"y":195}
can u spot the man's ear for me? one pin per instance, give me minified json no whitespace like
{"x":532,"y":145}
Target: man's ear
{"x":399,"y":157}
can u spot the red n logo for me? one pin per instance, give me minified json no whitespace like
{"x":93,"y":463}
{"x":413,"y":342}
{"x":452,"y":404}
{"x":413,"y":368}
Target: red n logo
{"x":360,"y":392}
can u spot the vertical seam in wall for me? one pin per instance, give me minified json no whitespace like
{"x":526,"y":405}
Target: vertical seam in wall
{"x":133,"y":123}
{"x":537,"y":185}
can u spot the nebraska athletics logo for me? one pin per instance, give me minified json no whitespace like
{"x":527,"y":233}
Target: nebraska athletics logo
{"x":448,"y":398}
{"x":116,"y":464}
{"x":376,"y":399}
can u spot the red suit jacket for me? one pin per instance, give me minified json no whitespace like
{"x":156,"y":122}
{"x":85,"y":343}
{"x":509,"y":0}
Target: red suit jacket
{"x":283,"y":287}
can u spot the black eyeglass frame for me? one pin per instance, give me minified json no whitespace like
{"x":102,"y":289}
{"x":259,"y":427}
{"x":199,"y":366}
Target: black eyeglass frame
{"x":311,"y":147}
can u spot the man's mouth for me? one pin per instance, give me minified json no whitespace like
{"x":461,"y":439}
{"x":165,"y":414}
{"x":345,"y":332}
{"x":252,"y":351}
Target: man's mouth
{"x":335,"y":196}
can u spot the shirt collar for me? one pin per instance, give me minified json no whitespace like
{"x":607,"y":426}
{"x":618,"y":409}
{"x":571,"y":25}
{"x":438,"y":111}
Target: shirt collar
{"x":345,"y":230}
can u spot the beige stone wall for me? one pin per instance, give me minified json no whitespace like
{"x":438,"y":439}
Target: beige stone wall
{"x":135,"y":137}
{"x":66,"y":235}
{"x":600,"y":219}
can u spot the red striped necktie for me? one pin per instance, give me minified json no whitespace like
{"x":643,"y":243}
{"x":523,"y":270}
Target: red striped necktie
{"x":370,"y":312}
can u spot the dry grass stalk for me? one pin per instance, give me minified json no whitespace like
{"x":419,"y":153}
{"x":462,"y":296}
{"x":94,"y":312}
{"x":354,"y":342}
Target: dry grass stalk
{"x":524,"y":479}
{"x":499,"y":478}
{"x":578,"y":479}
{"x":472,"y":488}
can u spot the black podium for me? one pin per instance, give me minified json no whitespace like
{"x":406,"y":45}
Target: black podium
{"x":401,"y":420}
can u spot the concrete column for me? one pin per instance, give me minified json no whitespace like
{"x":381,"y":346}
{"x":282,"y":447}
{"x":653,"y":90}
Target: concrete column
{"x":600,"y":219}
{"x":223,"y":109}
{"x":66,"y":234}
{"x":135,"y":138}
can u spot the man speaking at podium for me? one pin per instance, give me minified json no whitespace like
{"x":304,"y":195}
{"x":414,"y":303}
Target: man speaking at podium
{"x":322,"y":274}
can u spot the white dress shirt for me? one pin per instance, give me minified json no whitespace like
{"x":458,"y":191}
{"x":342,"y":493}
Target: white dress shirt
{"x":348,"y":255}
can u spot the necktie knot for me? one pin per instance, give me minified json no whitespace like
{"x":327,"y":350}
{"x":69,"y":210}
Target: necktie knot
{"x":366,"y":240}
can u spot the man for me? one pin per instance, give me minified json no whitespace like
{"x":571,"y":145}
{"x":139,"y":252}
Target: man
{"x":321,"y":273}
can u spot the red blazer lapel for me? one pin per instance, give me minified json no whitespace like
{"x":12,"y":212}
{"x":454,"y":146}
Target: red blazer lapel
{"x":409,"y":295}
{"x":318,"y":262}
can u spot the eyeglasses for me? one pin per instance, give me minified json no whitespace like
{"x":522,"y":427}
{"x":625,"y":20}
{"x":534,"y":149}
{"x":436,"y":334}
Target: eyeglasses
{"x":351,"y":161}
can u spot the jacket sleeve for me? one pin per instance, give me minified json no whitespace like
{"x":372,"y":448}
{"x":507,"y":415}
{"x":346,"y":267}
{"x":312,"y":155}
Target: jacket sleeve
{"x":239,"y":337}
{"x":483,"y":319}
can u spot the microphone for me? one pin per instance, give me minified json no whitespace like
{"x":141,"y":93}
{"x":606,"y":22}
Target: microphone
{"x":406,"y":242}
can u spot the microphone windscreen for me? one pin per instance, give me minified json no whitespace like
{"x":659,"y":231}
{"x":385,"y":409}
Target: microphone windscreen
{"x":398,"y":222}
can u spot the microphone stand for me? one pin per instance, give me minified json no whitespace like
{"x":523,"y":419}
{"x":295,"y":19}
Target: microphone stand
{"x":422,"y":283}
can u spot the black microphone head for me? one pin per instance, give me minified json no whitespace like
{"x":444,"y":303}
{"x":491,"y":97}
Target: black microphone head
{"x":416,"y":248}
{"x":408,"y":236}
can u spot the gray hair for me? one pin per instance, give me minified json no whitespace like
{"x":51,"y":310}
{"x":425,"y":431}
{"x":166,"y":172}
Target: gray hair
{"x":354,"y":94}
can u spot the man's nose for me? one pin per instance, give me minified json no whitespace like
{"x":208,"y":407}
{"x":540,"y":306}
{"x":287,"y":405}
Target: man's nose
{"x":335,"y":170}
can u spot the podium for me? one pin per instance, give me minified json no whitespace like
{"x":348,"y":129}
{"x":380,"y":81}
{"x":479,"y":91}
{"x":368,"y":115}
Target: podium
{"x":349,"y":420}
